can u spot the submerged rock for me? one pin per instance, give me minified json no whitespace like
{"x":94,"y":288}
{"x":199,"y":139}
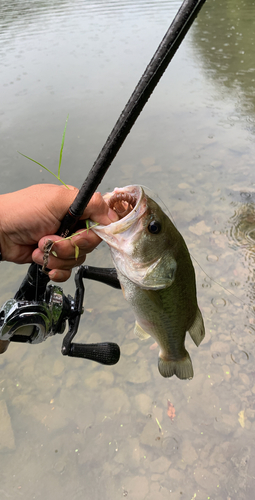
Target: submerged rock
{"x":7,"y":441}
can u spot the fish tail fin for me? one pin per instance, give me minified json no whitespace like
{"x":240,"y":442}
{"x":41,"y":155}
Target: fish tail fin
{"x":182,"y":368}
{"x":197,"y":330}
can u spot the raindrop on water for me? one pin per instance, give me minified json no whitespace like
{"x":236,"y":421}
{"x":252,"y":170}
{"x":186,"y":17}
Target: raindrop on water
{"x":215,"y":355}
{"x":212,"y":258}
{"x":239,"y":357}
{"x":218,"y":302}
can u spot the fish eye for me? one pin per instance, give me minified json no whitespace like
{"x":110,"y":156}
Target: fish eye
{"x":154,"y":227}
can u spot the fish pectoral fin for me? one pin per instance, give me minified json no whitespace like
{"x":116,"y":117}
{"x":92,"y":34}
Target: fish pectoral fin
{"x":139,"y":331}
{"x":197,"y":330}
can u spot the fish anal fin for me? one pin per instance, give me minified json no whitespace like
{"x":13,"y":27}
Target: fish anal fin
{"x":182,"y":368}
{"x":197,"y":330}
{"x":139,"y":331}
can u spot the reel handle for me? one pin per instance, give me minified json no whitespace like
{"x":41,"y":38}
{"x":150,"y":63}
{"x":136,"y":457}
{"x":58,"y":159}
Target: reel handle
{"x":106,"y":353}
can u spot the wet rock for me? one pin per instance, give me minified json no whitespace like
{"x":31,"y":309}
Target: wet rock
{"x":130,"y":453}
{"x":99,"y":378}
{"x":84,"y":418}
{"x":244,"y":378}
{"x":225,"y":423}
{"x":53,"y":417}
{"x":58,"y":367}
{"x":137,"y":487}
{"x":143,"y":403}
{"x":158,"y":492}
{"x":154,"y":168}
{"x":206,"y":451}
{"x":28,"y":370}
{"x":183,"y":421}
{"x":226,"y":372}
{"x":115,"y":401}
{"x":120,"y":324}
{"x":206,"y":479}
{"x":129,"y":349}
{"x":219,"y":347}
{"x":72,"y":379}
{"x":184,"y":185}
{"x":150,"y":435}
{"x":44,"y":384}
{"x":189,"y":454}
{"x":195,"y":385}
{"x":239,"y":477}
{"x":200,"y":228}
{"x":18,"y":351}
{"x":216,"y":163}
{"x":21,"y":401}
{"x":148,"y":161}
{"x":175,"y":474}
{"x":7,"y":442}
{"x":157,"y":477}
{"x":160,"y":465}
{"x":177,"y":494}
{"x":138,"y":373}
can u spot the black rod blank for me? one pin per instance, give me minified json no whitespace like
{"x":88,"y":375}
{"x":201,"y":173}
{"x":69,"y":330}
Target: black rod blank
{"x":155,"y":69}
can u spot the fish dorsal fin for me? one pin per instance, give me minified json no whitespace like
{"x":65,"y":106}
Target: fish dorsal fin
{"x":197,"y":330}
{"x":139,"y":331}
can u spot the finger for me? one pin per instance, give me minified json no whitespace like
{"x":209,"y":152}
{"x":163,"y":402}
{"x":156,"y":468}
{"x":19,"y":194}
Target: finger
{"x":97,"y":208}
{"x":62,"y":248}
{"x":57,"y":263}
{"x":85,"y":239}
{"x":98,"y":211}
{"x":59,"y":275}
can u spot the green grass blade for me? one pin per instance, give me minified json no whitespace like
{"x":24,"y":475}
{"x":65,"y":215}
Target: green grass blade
{"x":61,"y":149}
{"x":45,"y":168}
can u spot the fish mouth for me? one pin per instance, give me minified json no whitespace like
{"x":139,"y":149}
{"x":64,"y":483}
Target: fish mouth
{"x":129,"y":203}
{"x":122,"y":203}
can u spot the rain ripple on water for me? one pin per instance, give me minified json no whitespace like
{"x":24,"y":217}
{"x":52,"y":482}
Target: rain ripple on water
{"x":242,"y":230}
{"x":33,"y":16}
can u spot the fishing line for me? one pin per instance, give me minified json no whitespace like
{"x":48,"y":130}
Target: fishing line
{"x":162,"y":204}
{"x":219,"y":284}
{"x":36,"y":284}
{"x":159,"y":201}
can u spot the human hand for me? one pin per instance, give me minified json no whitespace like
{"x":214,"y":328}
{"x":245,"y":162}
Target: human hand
{"x":31,"y":216}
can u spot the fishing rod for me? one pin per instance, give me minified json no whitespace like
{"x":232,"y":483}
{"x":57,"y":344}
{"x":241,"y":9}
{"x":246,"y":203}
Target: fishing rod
{"x":39,"y":310}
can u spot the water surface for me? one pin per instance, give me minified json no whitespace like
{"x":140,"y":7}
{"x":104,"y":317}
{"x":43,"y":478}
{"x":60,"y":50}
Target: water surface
{"x":77,"y":430}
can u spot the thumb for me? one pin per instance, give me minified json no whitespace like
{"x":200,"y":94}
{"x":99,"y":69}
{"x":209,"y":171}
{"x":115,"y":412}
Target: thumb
{"x":98,"y":211}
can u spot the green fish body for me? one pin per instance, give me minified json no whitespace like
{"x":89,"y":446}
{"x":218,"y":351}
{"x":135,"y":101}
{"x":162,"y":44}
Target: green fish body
{"x":156,"y":275}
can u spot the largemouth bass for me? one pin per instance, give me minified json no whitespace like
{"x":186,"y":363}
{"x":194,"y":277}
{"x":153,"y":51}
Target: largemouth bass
{"x":156,"y":276}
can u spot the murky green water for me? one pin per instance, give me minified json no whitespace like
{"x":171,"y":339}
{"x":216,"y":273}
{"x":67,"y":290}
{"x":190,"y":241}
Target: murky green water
{"x":72,"y":429}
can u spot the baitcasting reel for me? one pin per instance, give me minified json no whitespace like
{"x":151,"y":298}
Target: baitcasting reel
{"x":35,"y":314}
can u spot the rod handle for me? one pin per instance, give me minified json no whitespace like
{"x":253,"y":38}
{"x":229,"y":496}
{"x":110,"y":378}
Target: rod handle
{"x":106,"y":353}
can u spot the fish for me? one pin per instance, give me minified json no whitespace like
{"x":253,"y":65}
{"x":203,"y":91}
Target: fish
{"x":156,"y":274}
